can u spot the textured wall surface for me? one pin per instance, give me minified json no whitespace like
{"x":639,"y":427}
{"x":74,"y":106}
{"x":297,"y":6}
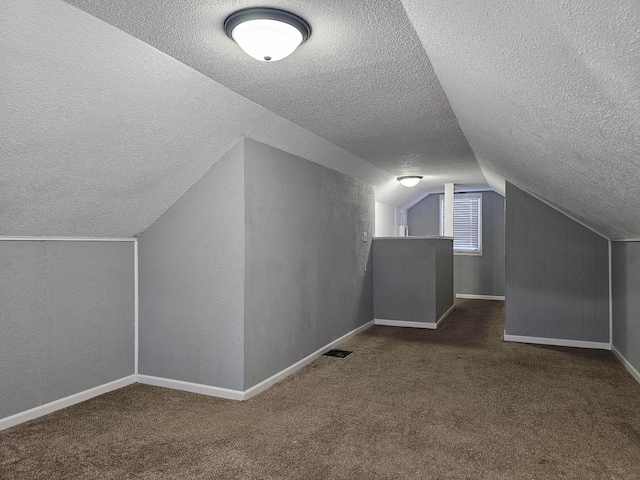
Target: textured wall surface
{"x":557,"y":273}
{"x":405,"y":276}
{"x":385,"y":220}
{"x":625,"y":270}
{"x":444,"y":276}
{"x":305,"y":278}
{"x":66,"y":319}
{"x":424,"y":217}
{"x":473,"y":274}
{"x":191,"y":275}
{"x":548,"y":95}
{"x":484,"y":274}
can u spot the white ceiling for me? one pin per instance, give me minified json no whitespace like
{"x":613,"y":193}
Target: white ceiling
{"x":548,"y":95}
{"x":363,"y":81}
{"x":102,"y":132}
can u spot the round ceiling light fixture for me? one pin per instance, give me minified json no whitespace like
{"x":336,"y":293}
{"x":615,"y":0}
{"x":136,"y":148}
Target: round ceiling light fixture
{"x":267,"y":34}
{"x":410,"y":180}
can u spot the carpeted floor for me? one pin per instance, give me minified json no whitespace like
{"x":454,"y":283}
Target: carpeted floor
{"x":456,"y":403}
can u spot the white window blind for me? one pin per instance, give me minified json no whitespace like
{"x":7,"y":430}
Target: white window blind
{"x":467,"y":222}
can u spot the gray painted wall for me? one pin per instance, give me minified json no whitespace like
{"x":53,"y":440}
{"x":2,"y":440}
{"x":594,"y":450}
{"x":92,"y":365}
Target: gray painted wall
{"x":423,"y":218}
{"x":66,"y":319}
{"x":386,"y":225}
{"x":305,"y":278}
{"x":473,"y":274}
{"x":191,"y":282}
{"x":444,"y":276}
{"x":625,"y":270}
{"x":557,"y":274}
{"x":410,"y":282}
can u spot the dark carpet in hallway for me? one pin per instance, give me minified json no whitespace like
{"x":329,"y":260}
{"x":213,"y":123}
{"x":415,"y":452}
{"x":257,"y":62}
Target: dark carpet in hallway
{"x":454,"y":403}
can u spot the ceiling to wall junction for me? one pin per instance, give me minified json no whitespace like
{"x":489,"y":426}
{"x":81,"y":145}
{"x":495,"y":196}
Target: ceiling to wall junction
{"x":101,"y":133}
{"x":107,"y":124}
{"x":362,"y":82}
{"x":548,"y":95}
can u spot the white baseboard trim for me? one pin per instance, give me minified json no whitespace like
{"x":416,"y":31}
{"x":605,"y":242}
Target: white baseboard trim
{"x":67,"y":239}
{"x":480,"y":297}
{"x":403,"y":323}
{"x":630,"y":368}
{"x":191,"y":387}
{"x":558,"y":342}
{"x":445,"y":315}
{"x":65,"y":402}
{"x":265,"y":384}
{"x":51,"y":407}
{"x":256,"y":389}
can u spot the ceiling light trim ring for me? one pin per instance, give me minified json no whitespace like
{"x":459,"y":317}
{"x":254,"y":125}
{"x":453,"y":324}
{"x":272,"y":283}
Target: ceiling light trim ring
{"x":410,"y":180}
{"x":261,"y":13}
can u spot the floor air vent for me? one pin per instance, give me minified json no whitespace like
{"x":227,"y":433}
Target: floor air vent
{"x":337,"y":353}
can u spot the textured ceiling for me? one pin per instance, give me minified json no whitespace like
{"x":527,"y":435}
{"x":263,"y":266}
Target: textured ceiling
{"x":548,"y":95}
{"x":362,"y":82}
{"x":101,"y":133}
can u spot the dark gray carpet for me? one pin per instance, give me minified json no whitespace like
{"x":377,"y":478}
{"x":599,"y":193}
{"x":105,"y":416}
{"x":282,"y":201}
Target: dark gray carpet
{"x":455,"y":403}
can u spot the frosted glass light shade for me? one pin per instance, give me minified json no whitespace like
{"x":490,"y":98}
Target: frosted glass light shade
{"x":267,"y":34}
{"x":267,"y":40}
{"x":410,"y":180}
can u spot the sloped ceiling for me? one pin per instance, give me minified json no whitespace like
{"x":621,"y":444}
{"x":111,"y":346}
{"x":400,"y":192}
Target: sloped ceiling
{"x":101,"y":133}
{"x":363,"y":81}
{"x":548,"y":95}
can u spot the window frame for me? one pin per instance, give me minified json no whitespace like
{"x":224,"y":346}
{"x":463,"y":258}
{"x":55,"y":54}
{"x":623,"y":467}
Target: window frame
{"x":478,"y":195}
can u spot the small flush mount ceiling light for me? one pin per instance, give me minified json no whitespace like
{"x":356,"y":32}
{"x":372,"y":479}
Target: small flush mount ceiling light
{"x":267,"y":34}
{"x":410,"y":180}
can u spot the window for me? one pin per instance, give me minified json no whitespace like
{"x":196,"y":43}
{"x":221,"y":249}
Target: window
{"x":467,"y":223}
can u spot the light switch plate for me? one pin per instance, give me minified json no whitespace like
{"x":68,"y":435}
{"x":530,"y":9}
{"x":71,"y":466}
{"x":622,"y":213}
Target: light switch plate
{"x":364,"y":236}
